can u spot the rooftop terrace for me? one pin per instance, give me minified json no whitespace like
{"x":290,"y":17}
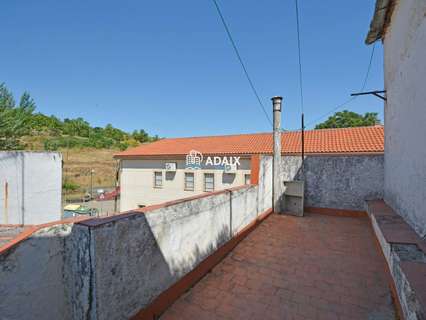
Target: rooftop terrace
{"x":317,"y":267}
{"x":223,"y":255}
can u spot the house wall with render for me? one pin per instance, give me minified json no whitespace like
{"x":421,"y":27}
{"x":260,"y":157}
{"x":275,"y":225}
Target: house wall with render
{"x":405,"y":112}
{"x":137,"y":181}
{"x":39,"y":278}
{"x":30,"y":187}
{"x":340,"y":182}
{"x":110,"y":268}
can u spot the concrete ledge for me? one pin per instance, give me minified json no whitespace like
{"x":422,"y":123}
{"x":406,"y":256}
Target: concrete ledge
{"x":336,"y":212}
{"x":95,"y":222}
{"x":405,"y":253}
{"x":31,"y":229}
{"x":168,"y":297}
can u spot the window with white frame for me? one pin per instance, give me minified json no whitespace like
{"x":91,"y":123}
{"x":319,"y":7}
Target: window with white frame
{"x":158,"y":179}
{"x":209,"y":182}
{"x":189,"y":181}
{"x":247,"y":179}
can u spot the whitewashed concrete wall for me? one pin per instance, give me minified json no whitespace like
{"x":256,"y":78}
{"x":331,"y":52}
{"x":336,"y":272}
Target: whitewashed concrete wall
{"x":34,"y":187}
{"x":265,"y":183}
{"x":405,"y":112}
{"x":141,"y":255}
{"x":137,"y":181}
{"x":34,"y":276}
{"x":111,"y":268}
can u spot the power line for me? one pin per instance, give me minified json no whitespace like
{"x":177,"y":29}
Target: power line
{"x":225,"y":25}
{"x":353,"y":97}
{"x":299,"y":54}
{"x":369,"y":68}
{"x":332,"y":110}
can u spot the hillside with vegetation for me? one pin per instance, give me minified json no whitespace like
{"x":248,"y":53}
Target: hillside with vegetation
{"x":21,"y":127}
{"x":85,"y":148}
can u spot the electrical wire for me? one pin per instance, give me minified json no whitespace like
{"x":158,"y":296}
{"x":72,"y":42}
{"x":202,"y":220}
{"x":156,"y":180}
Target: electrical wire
{"x":353,"y":97}
{"x":299,"y":54}
{"x":228,"y":32}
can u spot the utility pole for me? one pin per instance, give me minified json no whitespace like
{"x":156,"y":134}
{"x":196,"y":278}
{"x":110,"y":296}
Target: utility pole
{"x":117,"y":173}
{"x":91,"y":183}
{"x":276,"y":169}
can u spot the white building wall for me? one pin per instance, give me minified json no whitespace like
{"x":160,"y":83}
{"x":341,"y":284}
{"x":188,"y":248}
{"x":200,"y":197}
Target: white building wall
{"x":137,"y":181}
{"x":405,"y":112}
{"x":34,"y":187}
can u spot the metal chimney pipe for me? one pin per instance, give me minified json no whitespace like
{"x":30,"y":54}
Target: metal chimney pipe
{"x":276,"y":169}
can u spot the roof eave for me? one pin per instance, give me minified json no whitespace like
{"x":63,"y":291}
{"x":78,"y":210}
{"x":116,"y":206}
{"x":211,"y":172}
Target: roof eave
{"x":284,"y":153}
{"x":380,"y":21}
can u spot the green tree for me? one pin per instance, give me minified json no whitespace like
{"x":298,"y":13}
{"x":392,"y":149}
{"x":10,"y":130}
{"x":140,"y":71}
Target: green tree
{"x":42,"y":124}
{"x":6,"y":97}
{"x":77,"y":127}
{"x":346,"y":119}
{"x":14,"y":121}
{"x":69,"y":186}
{"x":140,"y":135}
{"x":114,"y":133}
{"x":26,"y":102}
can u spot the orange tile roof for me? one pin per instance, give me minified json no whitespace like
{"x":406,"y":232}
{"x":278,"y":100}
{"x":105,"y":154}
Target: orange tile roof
{"x":324,"y":141}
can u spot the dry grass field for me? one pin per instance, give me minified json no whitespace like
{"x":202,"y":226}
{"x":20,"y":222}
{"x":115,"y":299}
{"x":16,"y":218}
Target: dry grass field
{"x":79,"y":162}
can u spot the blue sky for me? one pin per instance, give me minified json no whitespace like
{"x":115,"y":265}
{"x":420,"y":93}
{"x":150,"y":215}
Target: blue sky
{"x":168,"y":67}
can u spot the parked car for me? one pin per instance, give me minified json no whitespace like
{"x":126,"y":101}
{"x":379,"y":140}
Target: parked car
{"x":111,"y":195}
{"x":87,"y":197}
{"x":75,"y":210}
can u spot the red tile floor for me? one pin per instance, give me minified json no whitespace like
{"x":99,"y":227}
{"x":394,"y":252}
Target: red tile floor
{"x":315,"y":267}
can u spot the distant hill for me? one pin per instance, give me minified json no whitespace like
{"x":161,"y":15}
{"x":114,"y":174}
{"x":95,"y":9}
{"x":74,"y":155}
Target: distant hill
{"x":22,"y":128}
{"x":84,"y":147}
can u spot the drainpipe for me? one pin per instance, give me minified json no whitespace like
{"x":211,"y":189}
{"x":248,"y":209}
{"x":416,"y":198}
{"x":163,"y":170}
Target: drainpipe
{"x":276,"y":170}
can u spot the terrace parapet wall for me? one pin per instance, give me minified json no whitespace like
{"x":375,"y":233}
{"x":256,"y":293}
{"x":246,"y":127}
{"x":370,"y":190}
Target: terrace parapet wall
{"x":337,"y":181}
{"x":116,"y":267}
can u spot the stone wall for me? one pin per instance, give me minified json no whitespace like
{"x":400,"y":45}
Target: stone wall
{"x":341,"y":182}
{"x":405,"y":254}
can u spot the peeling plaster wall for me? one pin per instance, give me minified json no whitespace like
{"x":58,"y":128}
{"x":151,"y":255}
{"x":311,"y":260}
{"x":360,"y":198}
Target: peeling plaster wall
{"x":79,"y":271}
{"x":265,"y":184}
{"x":405,"y":113}
{"x":341,"y":182}
{"x":140,"y":256}
{"x":35,"y":276}
{"x":113,"y":270}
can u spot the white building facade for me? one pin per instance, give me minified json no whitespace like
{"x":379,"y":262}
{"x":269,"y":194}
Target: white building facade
{"x":150,"y":181}
{"x":175,"y":168}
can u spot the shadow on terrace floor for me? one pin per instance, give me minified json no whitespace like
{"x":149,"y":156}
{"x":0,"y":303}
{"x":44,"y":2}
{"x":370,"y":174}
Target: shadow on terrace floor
{"x":316,"y":267}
